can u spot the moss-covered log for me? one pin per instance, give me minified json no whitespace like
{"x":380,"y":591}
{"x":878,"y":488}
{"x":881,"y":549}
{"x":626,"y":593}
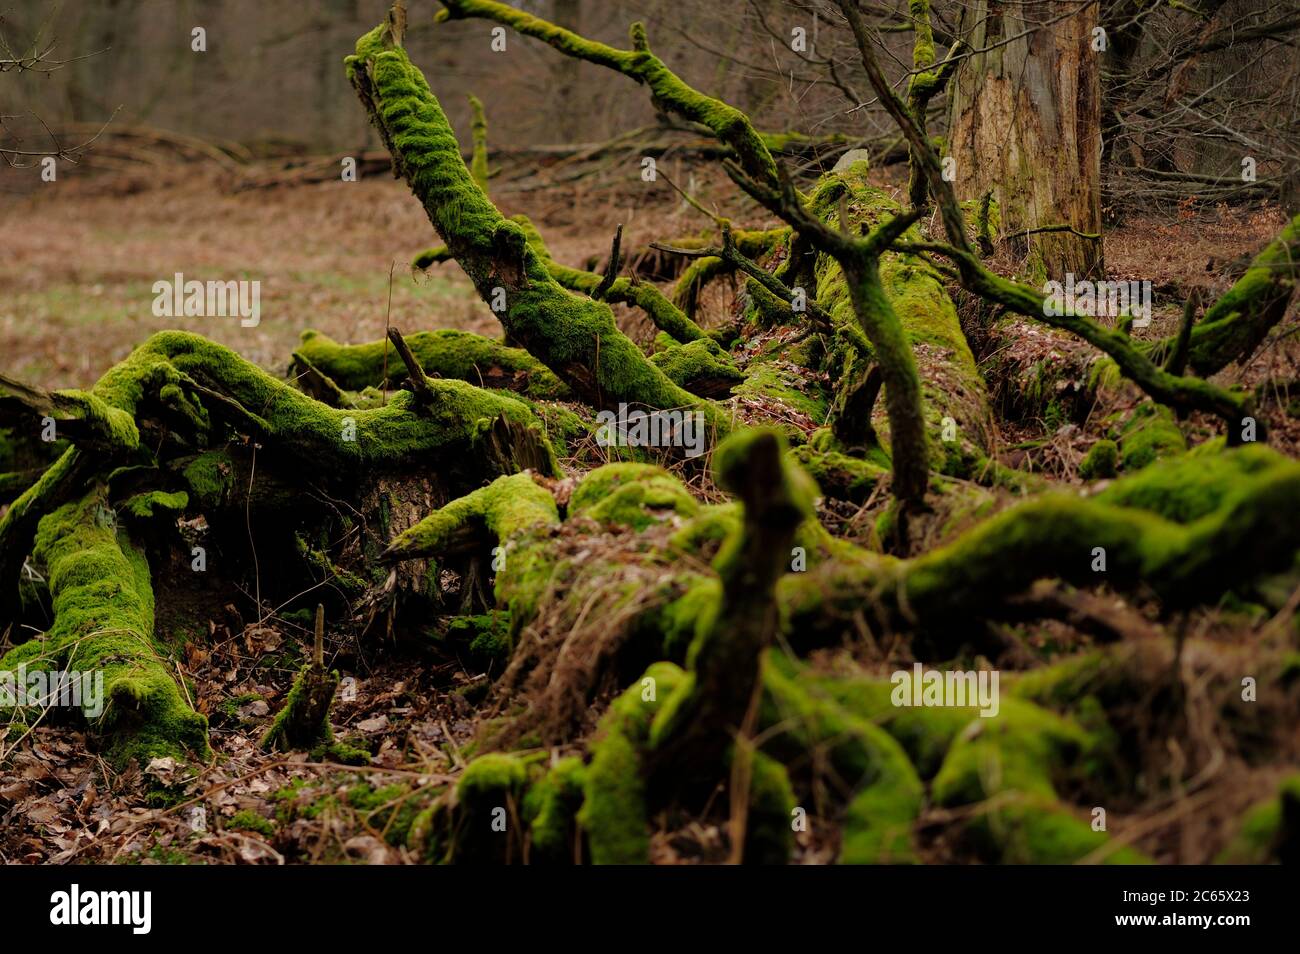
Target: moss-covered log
{"x":666,"y":316}
{"x":103,"y":634}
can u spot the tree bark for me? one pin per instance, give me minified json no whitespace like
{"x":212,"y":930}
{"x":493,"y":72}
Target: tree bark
{"x":1025,"y":122}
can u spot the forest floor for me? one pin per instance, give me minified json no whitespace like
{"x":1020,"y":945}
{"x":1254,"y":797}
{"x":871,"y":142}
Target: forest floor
{"x":77,"y":278}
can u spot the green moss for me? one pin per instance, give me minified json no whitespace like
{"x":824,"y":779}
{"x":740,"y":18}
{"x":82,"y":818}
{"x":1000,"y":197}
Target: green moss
{"x":614,"y":811}
{"x":694,"y":279}
{"x":568,"y":431}
{"x":109,"y":427}
{"x":551,"y":806}
{"x":924,"y":733}
{"x":1241,"y":318}
{"x":700,"y":367}
{"x":390,"y":809}
{"x":478,"y":167}
{"x":1183,"y":491}
{"x":631,"y":495}
{"x":869,"y":770}
{"x":490,"y":785}
{"x":342,"y":751}
{"x":1013,"y":758}
{"x":445,"y":353}
{"x":350,"y":584}
{"x":211,"y":478}
{"x":839,"y":475}
{"x":1067,"y":681}
{"x":488,"y":635}
{"x":573,"y":336}
{"x":1270,"y":831}
{"x":763,"y":309}
{"x":769,"y":834}
{"x":909,"y":287}
{"x":1151,"y":433}
{"x":248,"y":820}
{"x":297,"y":426}
{"x":774,"y":382}
{"x":227,"y":711}
{"x":506,"y":507}
{"x":707,"y":528}
{"x":731,"y":633}
{"x":1101,"y":461}
{"x":1056,"y":535}
{"x":157,"y":503}
{"x":667,"y":317}
{"x":681,"y":619}
{"x":303,"y":722}
{"x":104,"y":623}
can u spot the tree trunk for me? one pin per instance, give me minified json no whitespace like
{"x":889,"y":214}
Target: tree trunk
{"x":564,"y":75}
{"x":1025,"y":122}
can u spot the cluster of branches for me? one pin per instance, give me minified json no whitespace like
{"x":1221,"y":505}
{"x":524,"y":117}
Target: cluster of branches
{"x":1190,"y":91}
{"x":37,"y":56}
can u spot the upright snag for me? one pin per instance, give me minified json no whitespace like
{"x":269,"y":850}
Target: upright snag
{"x":304,"y":723}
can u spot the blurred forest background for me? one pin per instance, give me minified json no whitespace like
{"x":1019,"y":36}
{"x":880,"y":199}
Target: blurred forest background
{"x":1183,"y":87}
{"x":291,"y":55}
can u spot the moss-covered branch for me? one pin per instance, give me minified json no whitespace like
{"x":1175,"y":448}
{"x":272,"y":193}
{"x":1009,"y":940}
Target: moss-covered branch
{"x":666,"y":316}
{"x":730,"y":255}
{"x":478,"y":166}
{"x":928,"y":79}
{"x":507,"y":506}
{"x":76,"y":415}
{"x":859,"y":260}
{"x":667,"y":89}
{"x":1233,"y":327}
{"x":574,"y":337}
{"x":209,"y":379}
{"x":1187,"y":530}
{"x":304,"y":722}
{"x":696,"y":725}
{"x":60,"y":483}
{"x":446,"y":353}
